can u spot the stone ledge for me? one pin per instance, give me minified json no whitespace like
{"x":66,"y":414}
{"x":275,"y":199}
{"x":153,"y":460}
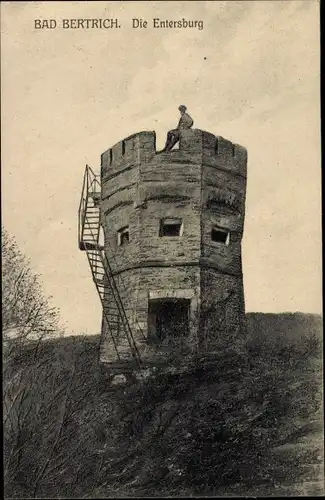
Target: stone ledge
{"x":186,"y":293}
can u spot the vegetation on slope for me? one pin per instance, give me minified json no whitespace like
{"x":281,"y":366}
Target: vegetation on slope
{"x":230,"y":427}
{"x":77,"y":434}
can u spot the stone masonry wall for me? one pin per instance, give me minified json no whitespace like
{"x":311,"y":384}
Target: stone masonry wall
{"x":224,"y":175}
{"x":203,"y":183}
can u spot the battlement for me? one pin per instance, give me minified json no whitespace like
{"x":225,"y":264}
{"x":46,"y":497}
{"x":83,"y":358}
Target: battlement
{"x":131,"y":151}
{"x":195,"y":146}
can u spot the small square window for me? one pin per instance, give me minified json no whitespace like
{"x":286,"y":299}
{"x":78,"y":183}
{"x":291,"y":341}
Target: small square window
{"x":219,"y":235}
{"x":123,"y":236}
{"x":171,"y":227}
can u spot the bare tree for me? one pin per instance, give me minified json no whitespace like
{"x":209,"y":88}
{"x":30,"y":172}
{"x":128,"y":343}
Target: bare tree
{"x":28,"y":320}
{"x":26,"y":312}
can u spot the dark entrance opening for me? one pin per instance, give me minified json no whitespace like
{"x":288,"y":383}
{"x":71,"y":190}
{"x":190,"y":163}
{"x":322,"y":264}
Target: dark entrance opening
{"x":168,"y":318}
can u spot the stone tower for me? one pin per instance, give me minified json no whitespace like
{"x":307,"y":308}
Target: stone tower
{"x":173,"y":225}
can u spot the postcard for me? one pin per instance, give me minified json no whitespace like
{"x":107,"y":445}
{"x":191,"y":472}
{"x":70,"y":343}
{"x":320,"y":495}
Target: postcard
{"x":161,"y":249}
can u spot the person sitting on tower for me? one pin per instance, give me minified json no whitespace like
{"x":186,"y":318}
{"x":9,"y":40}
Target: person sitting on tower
{"x":185,"y":122}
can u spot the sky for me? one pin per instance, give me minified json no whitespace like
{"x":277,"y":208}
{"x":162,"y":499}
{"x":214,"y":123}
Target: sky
{"x":250,"y":75}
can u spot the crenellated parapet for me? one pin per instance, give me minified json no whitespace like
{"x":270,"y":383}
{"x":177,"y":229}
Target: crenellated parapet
{"x":128,"y":153}
{"x":215,"y":151}
{"x":194,"y":145}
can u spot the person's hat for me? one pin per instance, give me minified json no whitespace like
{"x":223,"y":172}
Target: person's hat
{"x":182,"y":107}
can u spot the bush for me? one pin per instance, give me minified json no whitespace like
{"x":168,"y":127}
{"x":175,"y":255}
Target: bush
{"x":219,"y":425}
{"x":74,"y":433}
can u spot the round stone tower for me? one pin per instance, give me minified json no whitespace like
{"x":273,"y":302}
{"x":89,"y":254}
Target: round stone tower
{"x":173,"y":225}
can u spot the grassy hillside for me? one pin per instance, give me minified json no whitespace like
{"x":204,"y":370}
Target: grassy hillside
{"x":289,"y":326}
{"x":249,"y":425}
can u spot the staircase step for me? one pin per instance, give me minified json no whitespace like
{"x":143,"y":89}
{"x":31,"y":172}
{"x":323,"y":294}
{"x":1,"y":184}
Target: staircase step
{"x":90,"y":245}
{"x":93,"y":245}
